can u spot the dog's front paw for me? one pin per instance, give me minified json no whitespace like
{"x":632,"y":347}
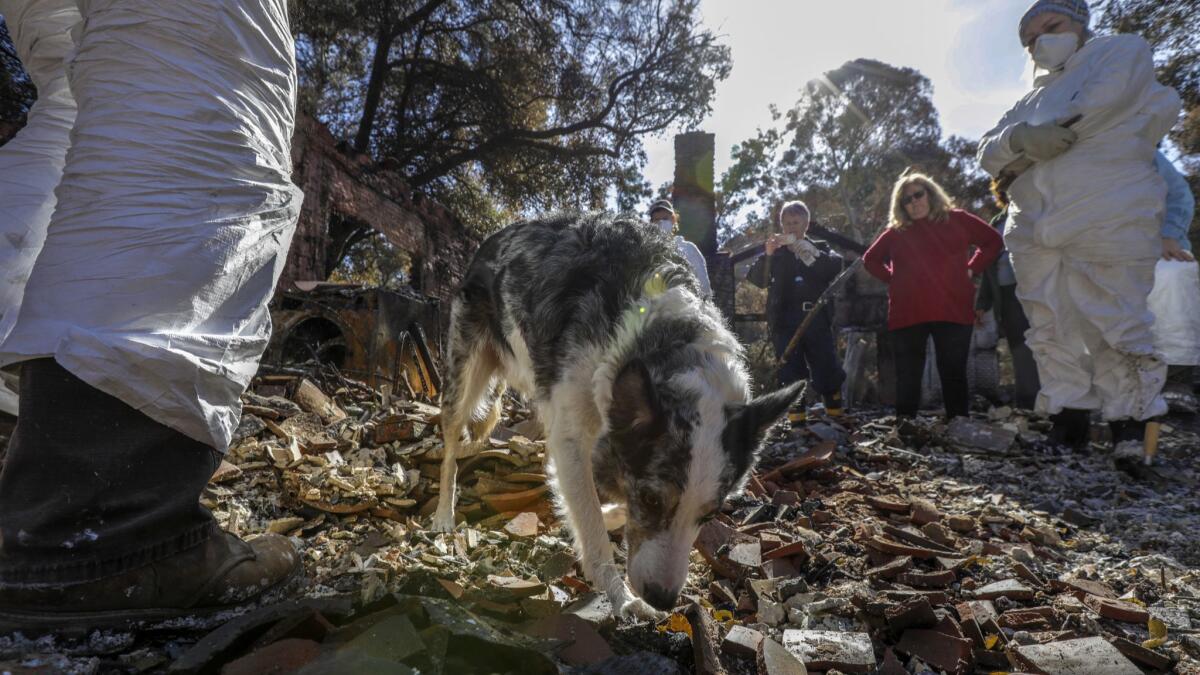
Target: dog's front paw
{"x":638,"y":609}
{"x":443,"y":522}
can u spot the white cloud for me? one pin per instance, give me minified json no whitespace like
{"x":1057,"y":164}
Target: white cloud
{"x":967,"y":48}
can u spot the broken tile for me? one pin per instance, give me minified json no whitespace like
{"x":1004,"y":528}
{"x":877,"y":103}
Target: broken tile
{"x":1008,"y":588}
{"x":524,"y":525}
{"x":774,"y":659}
{"x":951,"y":654}
{"x":582,"y":644}
{"x":1084,"y":656}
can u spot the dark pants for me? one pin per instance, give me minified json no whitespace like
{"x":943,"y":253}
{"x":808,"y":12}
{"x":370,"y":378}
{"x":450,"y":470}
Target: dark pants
{"x":952,"y":346}
{"x":815,"y":357}
{"x":91,"y":487}
{"x":1013,"y":324}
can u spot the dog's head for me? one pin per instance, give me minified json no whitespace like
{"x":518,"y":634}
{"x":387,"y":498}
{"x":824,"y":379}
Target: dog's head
{"x":681,"y":448}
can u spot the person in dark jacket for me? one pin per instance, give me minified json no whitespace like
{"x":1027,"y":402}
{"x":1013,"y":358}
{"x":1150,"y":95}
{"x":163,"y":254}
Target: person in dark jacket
{"x":998,"y":293}
{"x":795,"y":271}
{"x":925,"y":258}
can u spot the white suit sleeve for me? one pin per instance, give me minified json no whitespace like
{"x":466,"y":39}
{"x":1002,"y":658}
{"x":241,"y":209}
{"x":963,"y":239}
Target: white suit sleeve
{"x":995,"y":149}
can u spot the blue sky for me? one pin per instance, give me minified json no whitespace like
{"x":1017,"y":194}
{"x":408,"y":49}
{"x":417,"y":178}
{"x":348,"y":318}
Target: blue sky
{"x":967,"y":48}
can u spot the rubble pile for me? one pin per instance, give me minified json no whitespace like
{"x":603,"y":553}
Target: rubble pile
{"x":862,"y":545}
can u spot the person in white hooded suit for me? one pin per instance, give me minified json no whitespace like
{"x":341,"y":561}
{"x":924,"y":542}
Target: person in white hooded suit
{"x":1083,"y":227}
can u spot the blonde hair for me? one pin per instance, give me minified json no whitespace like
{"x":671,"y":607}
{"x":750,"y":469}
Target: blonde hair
{"x":939,"y":203}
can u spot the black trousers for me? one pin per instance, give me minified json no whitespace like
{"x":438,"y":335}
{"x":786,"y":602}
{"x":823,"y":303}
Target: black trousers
{"x":1013,"y":324}
{"x":814,"y":357}
{"x":952,"y":346}
{"x":91,"y":487}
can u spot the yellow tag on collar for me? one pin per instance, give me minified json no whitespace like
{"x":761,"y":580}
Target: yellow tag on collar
{"x":655,"y":286}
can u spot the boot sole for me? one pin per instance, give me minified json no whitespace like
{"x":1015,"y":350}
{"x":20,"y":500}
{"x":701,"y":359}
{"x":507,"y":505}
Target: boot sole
{"x":80,"y":624}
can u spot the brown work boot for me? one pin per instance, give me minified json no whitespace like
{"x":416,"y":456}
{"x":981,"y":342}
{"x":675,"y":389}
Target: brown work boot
{"x":220,"y":573}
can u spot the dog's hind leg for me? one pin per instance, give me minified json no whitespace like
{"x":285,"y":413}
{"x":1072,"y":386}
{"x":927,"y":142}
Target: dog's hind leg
{"x":473,"y":371}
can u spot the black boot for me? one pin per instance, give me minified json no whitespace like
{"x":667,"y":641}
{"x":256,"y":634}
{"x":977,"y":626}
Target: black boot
{"x":100,"y":519}
{"x":1072,"y":428}
{"x":1128,"y":442}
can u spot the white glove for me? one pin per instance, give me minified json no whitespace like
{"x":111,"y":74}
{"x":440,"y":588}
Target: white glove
{"x":1042,"y":142}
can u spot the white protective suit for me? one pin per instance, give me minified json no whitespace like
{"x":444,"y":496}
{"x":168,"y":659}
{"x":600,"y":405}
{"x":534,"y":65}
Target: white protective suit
{"x":175,"y":209}
{"x":1083,"y":228}
{"x":31,"y":163}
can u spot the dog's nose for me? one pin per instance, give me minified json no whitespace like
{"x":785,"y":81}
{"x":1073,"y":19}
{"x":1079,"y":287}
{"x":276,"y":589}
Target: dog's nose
{"x":659,"y":597}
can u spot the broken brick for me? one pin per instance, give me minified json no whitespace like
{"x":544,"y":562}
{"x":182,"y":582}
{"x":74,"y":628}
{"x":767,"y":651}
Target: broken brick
{"x":704,"y":635}
{"x":894,"y":547}
{"x":1032,"y":618}
{"x":979,"y":610}
{"x":795,"y":548}
{"x":1117,"y":610}
{"x":741,"y":641}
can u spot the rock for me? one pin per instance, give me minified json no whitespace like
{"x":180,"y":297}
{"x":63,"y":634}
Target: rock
{"x":774,"y":659}
{"x":583,"y":644}
{"x":524,"y":525}
{"x":311,"y":399}
{"x":284,"y":656}
{"x":1084,"y":656}
{"x":915,"y":613}
{"x":962,"y":524}
{"x":965,"y":431}
{"x":924,"y":512}
{"x":770,"y":612}
{"x":704,"y":635}
{"x":1139,"y":654}
{"x":225,"y":473}
{"x":530,"y":428}
{"x":940,"y":534}
{"x":946,"y":652}
{"x":741,"y":641}
{"x":892,"y":569}
{"x":825,"y":650}
{"x":1008,"y":588}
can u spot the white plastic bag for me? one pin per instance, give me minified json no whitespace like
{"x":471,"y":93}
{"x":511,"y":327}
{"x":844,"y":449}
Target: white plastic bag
{"x":1175,"y":302}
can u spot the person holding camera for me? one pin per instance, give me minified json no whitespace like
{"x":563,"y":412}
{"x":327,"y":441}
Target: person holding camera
{"x":796,"y":270}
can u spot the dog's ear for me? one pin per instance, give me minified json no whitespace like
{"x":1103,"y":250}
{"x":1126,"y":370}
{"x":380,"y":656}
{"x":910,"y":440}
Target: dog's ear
{"x":635,"y":406}
{"x":745,"y":423}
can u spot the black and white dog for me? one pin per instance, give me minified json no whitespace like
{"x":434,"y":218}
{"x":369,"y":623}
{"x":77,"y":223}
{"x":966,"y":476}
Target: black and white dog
{"x":640,"y":386}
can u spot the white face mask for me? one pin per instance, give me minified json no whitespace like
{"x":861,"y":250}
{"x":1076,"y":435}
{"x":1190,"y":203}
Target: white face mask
{"x":666,"y":225}
{"x":1052,"y":50}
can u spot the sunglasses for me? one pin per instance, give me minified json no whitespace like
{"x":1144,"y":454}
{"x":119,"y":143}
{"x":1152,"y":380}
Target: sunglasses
{"x":905,"y":201}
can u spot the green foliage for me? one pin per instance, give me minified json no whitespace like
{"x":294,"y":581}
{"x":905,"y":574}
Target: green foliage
{"x":841,"y":148}
{"x":500,"y":107}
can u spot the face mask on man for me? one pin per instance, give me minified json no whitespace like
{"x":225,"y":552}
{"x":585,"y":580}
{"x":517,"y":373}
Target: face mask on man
{"x":666,"y":225}
{"x":1052,"y":50}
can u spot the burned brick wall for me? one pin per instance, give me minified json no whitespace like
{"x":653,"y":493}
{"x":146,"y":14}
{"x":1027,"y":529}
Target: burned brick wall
{"x":344,"y":189}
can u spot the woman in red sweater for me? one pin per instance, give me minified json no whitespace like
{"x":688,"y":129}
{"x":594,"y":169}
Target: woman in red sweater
{"x":925,"y":258}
